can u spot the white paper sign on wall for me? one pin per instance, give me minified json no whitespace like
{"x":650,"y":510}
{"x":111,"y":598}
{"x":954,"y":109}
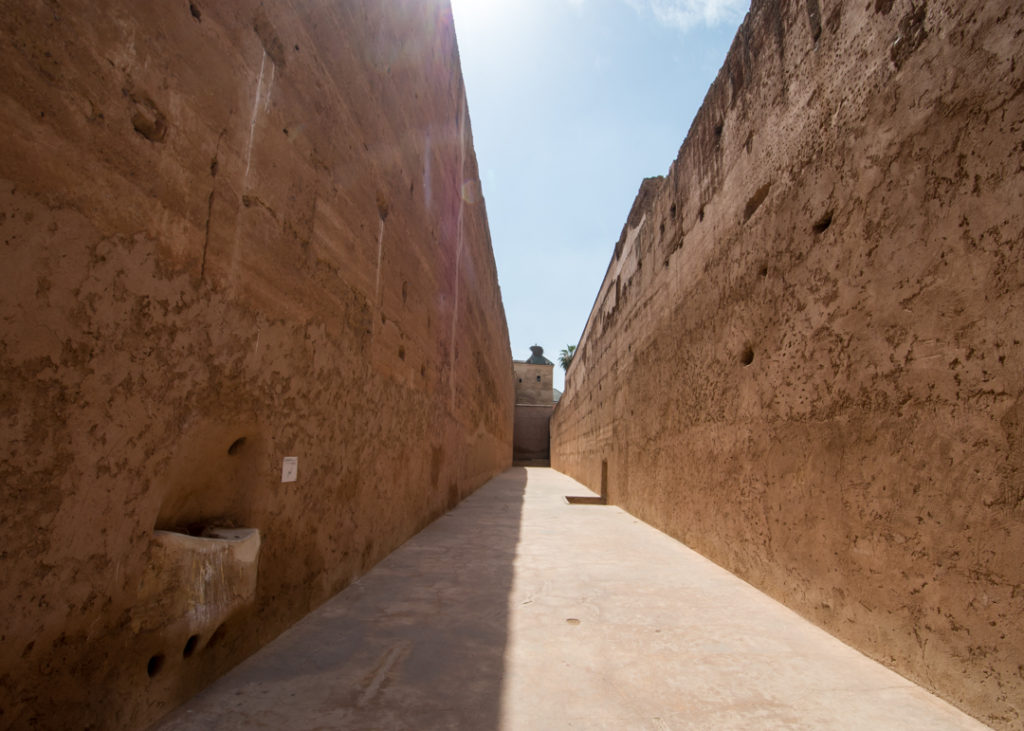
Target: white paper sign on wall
{"x":290,"y":469}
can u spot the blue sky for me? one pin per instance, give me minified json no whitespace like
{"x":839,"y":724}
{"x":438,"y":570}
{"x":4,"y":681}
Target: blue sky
{"x":573,"y":103}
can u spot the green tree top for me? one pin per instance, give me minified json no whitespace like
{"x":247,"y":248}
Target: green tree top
{"x":565,"y":357}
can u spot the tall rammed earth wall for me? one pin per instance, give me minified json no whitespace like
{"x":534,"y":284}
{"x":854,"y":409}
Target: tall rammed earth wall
{"x":805,"y":359}
{"x":232,"y":233}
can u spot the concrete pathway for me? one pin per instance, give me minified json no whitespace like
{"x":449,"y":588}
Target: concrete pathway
{"x":519,"y":611}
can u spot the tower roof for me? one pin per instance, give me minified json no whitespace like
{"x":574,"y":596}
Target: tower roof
{"x":538,"y":356}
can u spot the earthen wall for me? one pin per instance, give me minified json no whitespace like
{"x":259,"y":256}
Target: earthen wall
{"x":232,"y":233}
{"x":530,"y":435}
{"x":806,"y":361}
{"x":534,"y":383}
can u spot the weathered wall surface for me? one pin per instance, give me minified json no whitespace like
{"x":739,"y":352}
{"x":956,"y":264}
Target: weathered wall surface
{"x":805,"y":360}
{"x":232,"y":232}
{"x":534,"y":383}
{"x":530,"y":435}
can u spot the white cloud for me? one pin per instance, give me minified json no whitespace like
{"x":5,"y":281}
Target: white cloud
{"x":684,"y":14}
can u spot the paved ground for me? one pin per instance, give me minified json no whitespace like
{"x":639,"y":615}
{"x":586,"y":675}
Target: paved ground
{"x":519,"y":611}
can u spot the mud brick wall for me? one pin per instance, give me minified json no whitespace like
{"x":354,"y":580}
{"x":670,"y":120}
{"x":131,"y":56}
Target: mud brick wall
{"x":231,"y":233}
{"x":805,"y":359}
{"x":531,"y":436}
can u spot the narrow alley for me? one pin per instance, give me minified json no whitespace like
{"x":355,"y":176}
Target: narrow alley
{"x":517,"y":610}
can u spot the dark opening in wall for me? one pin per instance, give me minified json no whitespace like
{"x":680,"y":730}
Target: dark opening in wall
{"x":155,"y":665}
{"x":822,"y":224}
{"x":763,"y":271}
{"x":196,"y":12}
{"x":604,"y":481}
{"x":755,"y":201}
{"x":190,"y":646}
{"x":814,"y":18}
{"x":401,"y":352}
{"x":700,"y":213}
{"x":747,"y":356}
{"x":218,"y":635}
{"x":236,"y":445}
{"x":672,"y":211}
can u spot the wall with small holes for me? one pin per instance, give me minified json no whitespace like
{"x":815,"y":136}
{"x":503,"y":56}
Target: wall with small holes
{"x":805,"y":360}
{"x":252,"y":337}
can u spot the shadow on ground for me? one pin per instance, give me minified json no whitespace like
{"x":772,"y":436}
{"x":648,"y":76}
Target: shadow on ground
{"x":419,"y":642}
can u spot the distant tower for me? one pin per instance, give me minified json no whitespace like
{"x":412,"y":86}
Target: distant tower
{"x":534,"y":404}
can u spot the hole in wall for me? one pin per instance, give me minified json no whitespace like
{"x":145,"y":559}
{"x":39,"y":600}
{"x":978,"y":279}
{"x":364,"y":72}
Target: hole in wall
{"x":747,"y":356}
{"x":763,"y":271}
{"x":672,"y":211}
{"x":718,"y":130}
{"x":604,"y":481}
{"x":149,"y":121}
{"x":236,"y":445}
{"x":190,"y":646}
{"x":700,"y":213}
{"x":155,"y":665}
{"x":822,"y":224}
{"x":268,"y":37}
{"x":814,"y":19}
{"x":755,"y":201}
{"x":218,"y":635}
{"x":196,"y":12}
{"x":423,"y":371}
{"x":910,"y":36}
{"x":382,"y":206}
{"x":405,"y":291}
{"x":401,"y":352}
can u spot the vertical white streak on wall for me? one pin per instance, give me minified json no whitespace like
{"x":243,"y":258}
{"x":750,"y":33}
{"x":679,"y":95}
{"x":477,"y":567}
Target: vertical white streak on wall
{"x":255,"y":114}
{"x":270,"y":85}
